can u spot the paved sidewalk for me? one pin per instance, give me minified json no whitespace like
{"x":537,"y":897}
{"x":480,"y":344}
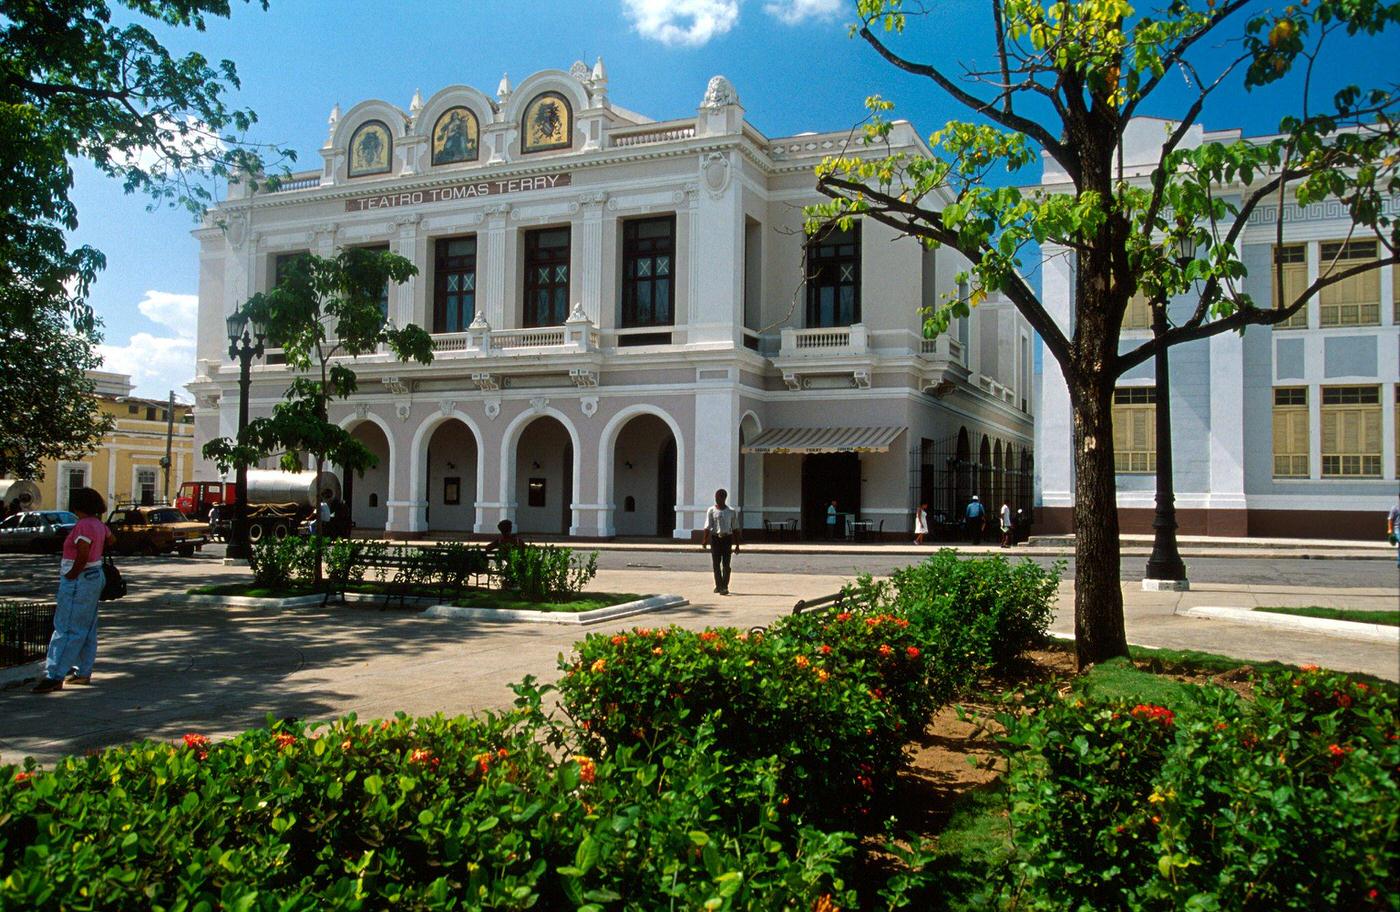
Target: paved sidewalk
{"x":166,"y":667}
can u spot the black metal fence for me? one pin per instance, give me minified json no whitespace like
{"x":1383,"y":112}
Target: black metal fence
{"x":25,"y":629}
{"x":952,"y":470}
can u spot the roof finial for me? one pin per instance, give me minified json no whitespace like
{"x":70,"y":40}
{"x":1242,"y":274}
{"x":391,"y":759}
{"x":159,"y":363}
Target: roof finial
{"x":416,"y":104}
{"x":332,"y":121}
{"x":600,"y":75}
{"x":503,"y":90}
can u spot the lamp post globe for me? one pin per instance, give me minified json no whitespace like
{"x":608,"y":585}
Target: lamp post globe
{"x":243,"y":349}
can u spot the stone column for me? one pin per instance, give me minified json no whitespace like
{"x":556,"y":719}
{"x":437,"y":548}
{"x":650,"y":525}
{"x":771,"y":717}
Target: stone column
{"x":495,"y":267}
{"x":587,"y":265}
{"x":408,"y":302}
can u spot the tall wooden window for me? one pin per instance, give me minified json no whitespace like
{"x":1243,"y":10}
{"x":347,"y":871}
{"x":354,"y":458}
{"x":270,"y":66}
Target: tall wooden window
{"x":1139,"y":313}
{"x":1291,"y":437}
{"x":546,"y":277}
{"x":1351,"y":431}
{"x":648,"y":272}
{"x":833,"y":278}
{"x":1135,"y":429}
{"x":454,"y":284}
{"x":1354,"y":301}
{"x":1292,"y":259}
{"x":383,"y":295}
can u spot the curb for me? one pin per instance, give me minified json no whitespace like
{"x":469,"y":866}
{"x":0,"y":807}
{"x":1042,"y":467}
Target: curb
{"x":597,"y":616}
{"x":303,"y":601}
{"x":1348,"y":629}
{"x":20,"y":674}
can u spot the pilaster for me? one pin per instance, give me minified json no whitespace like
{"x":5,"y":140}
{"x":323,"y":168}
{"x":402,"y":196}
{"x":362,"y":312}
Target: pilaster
{"x":494,"y":278}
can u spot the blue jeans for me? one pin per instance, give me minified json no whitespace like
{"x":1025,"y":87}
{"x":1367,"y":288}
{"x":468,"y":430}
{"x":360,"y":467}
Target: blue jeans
{"x":74,"y":642}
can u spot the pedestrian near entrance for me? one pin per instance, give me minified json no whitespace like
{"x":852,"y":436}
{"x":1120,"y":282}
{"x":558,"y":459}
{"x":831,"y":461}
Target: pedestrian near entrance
{"x":1393,"y":528}
{"x":975,"y":517}
{"x":1006,"y":525}
{"x":73,"y":646}
{"x":920,"y":523}
{"x":722,"y":538}
{"x":831,"y":517}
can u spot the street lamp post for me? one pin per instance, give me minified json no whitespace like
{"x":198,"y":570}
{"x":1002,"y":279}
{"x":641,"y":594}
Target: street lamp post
{"x":245,"y":342}
{"x":1165,"y":569}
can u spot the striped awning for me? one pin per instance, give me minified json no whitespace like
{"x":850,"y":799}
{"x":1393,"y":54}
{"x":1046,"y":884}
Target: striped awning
{"x":824,"y":440}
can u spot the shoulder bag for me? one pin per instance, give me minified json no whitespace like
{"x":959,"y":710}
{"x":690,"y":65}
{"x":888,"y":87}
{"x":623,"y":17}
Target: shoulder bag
{"x":114,"y":587}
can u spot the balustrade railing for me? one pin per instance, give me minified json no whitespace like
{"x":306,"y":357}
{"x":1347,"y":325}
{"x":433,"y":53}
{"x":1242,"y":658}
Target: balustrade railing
{"x":835,"y":340}
{"x":669,"y":134}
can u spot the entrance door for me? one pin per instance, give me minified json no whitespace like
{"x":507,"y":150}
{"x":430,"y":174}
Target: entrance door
{"x":827,"y":477}
{"x":567,"y":519}
{"x":666,"y":490}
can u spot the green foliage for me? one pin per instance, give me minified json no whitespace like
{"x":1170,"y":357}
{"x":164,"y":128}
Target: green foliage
{"x":543,"y":572}
{"x":1290,"y":801}
{"x":833,"y":696}
{"x":74,"y":86}
{"x":428,"y":813}
{"x":322,"y":309}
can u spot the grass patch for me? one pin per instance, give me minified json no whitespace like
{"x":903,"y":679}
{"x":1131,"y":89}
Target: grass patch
{"x":1120,"y":679}
{"x":971,"y":848}
{"x":1388,"y":617}
{"x":251,"y":591}
{"x":573,"y":603}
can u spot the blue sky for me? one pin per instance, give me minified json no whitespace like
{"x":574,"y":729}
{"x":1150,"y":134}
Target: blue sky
{"x":791,"y":61}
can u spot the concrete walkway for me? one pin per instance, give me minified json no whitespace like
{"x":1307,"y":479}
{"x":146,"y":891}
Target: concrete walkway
{"x":166,"y":667}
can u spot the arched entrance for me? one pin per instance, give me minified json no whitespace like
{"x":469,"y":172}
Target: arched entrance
{"x":998,"y":480}
{"x":644,"y":478}
{"x":367,"y":495}
{"x":750,"y":494}
{"x":544,"y":477}
{"x":448,"y":483}
{"x":984,"y":473}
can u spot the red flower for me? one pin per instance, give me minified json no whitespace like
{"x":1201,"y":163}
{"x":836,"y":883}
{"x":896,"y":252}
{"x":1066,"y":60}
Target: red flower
{"x":1310,"y":668}
{"x":587,"y":770}
{"x":709,"y":636}
{"x":285,"y":740}
{"x":619,"y":640}
{"x":885,"y":650}
{"x":1338,"y":751}
{"x":424,"y":757}
{"x":23,"y":777}
{"x":843,"y":616}
{"x":1343,"y":700}
{"x":1154,"y":713}
{"x":825,"y":650}
{"x":912,"y":652}
{"x":877,"y":694}
{"x":196,"y":742}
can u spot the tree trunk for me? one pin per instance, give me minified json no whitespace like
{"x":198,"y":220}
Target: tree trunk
{"x":1098,"y":593}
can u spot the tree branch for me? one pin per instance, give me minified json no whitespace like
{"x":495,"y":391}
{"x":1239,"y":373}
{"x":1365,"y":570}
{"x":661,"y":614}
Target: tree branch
{"x":1036,"y":131}
{"x":1245,"y":316}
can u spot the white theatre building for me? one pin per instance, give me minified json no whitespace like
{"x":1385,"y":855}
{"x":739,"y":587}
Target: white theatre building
{"x":622,"y":325}
{"x":1284,"y":431}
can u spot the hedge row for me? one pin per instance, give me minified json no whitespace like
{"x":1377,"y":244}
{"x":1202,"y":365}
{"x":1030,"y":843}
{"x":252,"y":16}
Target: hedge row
{"x":713,"y":770}
{"x":1288,"y":801}
{"x":833,"y":696}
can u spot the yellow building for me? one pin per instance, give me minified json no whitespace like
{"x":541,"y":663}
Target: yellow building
{"x":127,"y":466}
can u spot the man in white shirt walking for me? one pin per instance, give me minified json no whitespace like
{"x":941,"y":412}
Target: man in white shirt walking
{"x":721,"y":537}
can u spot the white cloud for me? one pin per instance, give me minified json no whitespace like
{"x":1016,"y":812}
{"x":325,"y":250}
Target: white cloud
{"x":793,"y":12}
{"x":682,"y":22}
{"x":158,"y":363}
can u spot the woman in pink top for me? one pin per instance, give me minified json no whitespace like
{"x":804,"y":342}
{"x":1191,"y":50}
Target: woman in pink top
{"x":73,"y":647}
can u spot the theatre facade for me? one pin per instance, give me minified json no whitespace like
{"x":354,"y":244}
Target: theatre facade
{"x":626,"y":315}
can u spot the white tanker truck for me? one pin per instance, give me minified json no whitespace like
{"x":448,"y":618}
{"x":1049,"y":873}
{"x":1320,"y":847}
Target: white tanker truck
{"x":278,"y":502}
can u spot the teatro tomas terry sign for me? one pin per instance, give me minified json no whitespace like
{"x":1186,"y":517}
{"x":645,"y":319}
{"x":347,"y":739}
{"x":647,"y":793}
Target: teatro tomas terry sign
{"x":457,"y":192}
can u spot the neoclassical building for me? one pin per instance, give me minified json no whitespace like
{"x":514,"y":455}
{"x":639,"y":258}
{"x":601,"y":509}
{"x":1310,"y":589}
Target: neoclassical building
{"x":626,"y":315}
{"x":1288,"y":430}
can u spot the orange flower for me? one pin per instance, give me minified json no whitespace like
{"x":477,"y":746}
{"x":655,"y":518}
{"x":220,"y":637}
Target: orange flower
{"x":587,"y":770}
{"x":885,"y":650}
{"x":619,"y":640}
{"x":600,"y":666}
{"x":802,"y":661}
{"x":843,"y":616}
{"x":825,"y":903}
{"x":424,"y":757}
{"x":23,"y":777}
{"x":657,"y":650}
{"x":196,"y":742}
{"x":346,"y":744}
{"x":823,"y":675}
{"x":709,"y":636}
{"x":1311,"y":668}
{"x":284,"y":740}
{"x":483,"y":763}
{"x":912,"y":652}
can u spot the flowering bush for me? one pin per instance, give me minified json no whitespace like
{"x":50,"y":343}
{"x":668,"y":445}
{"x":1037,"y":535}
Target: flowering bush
{"x":429,"y":813}
{"x":1289,"y":801}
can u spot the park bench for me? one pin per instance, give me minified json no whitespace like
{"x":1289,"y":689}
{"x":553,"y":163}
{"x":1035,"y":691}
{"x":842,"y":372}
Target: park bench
{"x":444,"y":572}
{"x":836,"y":601}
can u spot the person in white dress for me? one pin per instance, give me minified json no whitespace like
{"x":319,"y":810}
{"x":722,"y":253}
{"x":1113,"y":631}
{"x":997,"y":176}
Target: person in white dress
{"x":1006,"y":525}
{"x":920,"y":523}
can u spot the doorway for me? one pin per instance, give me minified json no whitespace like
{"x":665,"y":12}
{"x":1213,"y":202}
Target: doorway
{"x":666,"y":490}
{"x":827,"y":477}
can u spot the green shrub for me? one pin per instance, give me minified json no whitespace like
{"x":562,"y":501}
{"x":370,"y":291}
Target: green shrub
{"x":542,"y":572}
{"x":1289,"y":801}
{"x":431,"y":813}
{"x":282,"y":564}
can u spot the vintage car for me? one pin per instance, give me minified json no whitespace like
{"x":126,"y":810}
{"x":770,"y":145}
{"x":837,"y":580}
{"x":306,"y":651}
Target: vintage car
{"x":36,"y":530}
{"x":155,"y":530}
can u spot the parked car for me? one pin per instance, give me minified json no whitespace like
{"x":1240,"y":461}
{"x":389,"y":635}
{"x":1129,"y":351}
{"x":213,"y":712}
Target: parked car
{"x":36,"y":530}
{"x":155,"y":530}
